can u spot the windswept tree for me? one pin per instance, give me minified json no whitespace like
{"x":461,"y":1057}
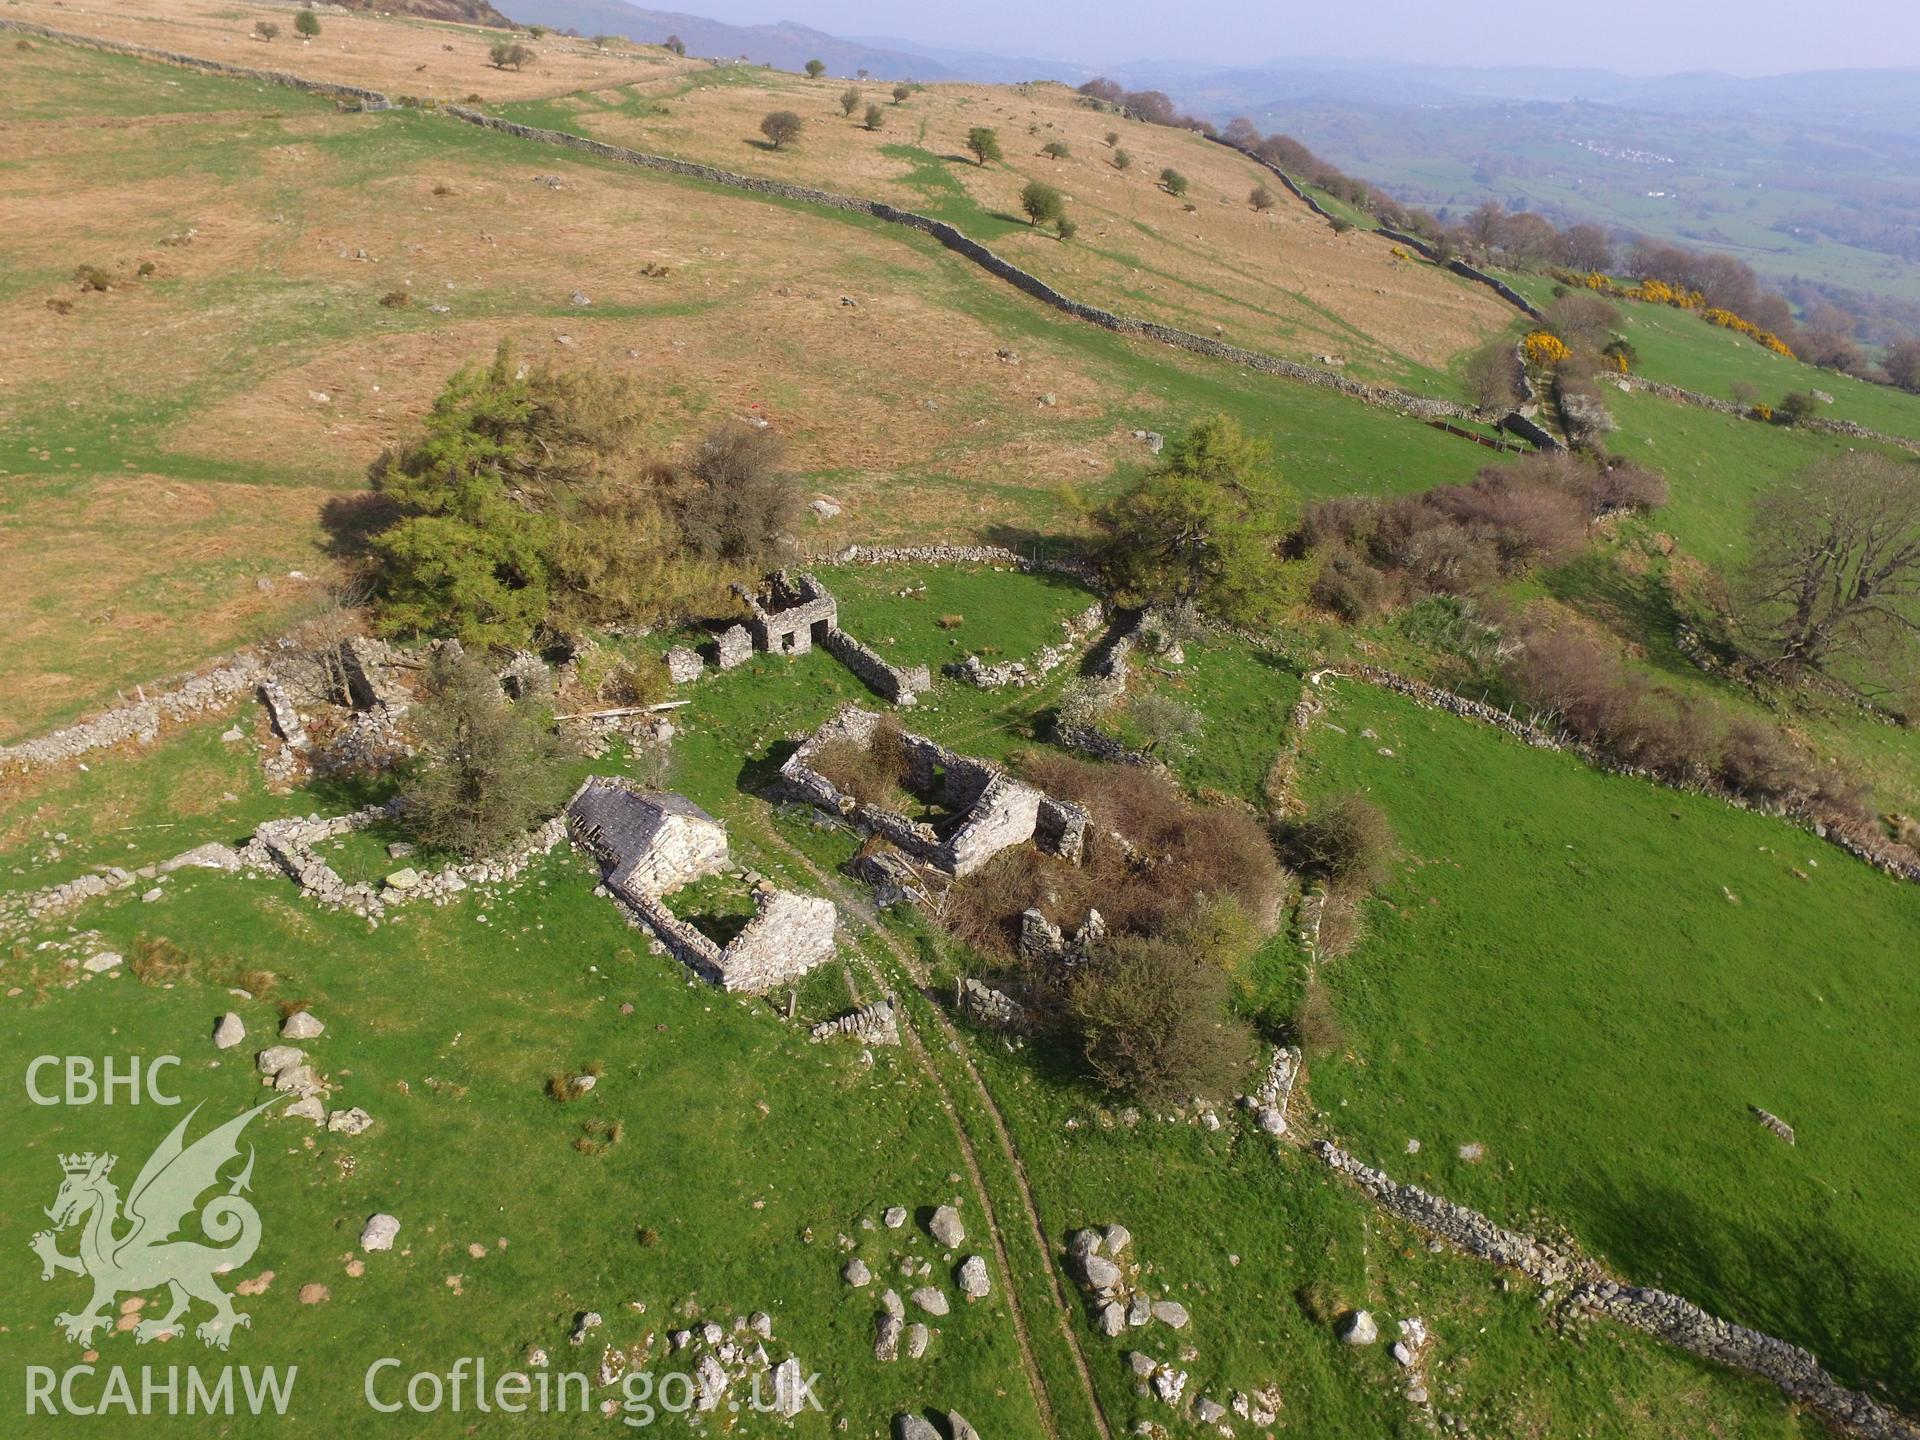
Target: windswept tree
{"x":675,"y":44}
{"x":780,"y":127}
{"x":1261,"y":198}
{"x":849,"y":100}
{"x":1903,"y":364}
{"x":265,"y":30}
{"x":306,"y":24}
{"x":901,"y":92}
{"x":876,"y":117}
{"x":816,"y":68}
{"x":490,"y":769}
{"x":1833,"y":583}
{"x":736,"y":500}
{"x":1204,"y":528}
{"x":509,"y":55}
{"x":983,"y":144}
{"x":1041,"y":202}
{"x":1173,"y":181}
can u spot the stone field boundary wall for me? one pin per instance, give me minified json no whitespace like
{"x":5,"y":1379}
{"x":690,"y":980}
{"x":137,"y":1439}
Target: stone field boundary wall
{"x":363,"y":98}
{"x":1850,"y":835}
{"x":215,"y":689}
{"x":1726,"y":407}
{"x":1665,"y":1316}
{"x":1423,"y":407}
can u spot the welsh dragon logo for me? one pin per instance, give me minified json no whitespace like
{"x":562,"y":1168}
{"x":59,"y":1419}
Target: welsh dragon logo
{"x":122,"y":1257}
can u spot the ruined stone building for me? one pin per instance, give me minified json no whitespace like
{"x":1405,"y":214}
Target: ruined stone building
{"x":650,"y":843}
{"x":987,"y":810}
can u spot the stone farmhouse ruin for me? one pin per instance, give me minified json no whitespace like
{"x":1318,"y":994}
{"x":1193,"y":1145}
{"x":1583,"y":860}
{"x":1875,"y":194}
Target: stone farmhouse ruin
{"x":789,"y":615}
{"x":650,"y":843}
{"x":985,"y":810}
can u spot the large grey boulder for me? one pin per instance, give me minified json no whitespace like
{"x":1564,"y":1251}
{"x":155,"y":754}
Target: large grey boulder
{"x":1112,"y":1319}
{"x":229,"y":1031}
{"x":974,"y":1282}
{"x":931,"y":1299}
{"x":914,"y":1427}
{"x":958,"y":1427}
{"x":946,"y":1228}
{"x":1359,"y":1329}
{"x":1101,"y":1273}
{"x":886,"y":1336}
{"x":276,"y":1058}
{"x":379,"y":1232}
{"x":301,"y":1025}
{"x":1170,"y":1312}
{"x":856,"y":1272}
{"x":917,"y":1337}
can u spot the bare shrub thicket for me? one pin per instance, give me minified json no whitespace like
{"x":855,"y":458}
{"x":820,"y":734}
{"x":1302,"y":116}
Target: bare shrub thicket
{"x":1176,"y":854}
{"x":1462,"y":539}
{"x":874,"y":773}
{"x":1577,"y":682}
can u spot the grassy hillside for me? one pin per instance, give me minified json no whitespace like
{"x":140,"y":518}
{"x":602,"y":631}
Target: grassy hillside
{"x":1680,"y":348}
{"x":1594,"y":980}
{"x":225,"y":399}
{"x":1280,"y":281}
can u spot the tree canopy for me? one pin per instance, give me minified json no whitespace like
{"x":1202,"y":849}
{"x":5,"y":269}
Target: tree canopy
{"x":1204,"y":527}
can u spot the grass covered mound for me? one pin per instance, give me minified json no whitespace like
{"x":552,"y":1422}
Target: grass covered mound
{"x":1594,"y":979}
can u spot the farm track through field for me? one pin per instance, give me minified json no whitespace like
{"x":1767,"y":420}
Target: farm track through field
{"x":870,"y":922}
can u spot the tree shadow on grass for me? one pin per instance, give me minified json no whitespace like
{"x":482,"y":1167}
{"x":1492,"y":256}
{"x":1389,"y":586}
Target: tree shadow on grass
{"x":1855,"y":1310}
{"x":351,"y":521}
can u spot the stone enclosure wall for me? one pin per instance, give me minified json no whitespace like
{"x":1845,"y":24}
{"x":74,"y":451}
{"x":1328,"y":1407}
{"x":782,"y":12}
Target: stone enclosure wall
{"x":1422,"y":406}
{"x":1668,"y":1317}
{"x":995,"y":811}
{"x":353,"y":94}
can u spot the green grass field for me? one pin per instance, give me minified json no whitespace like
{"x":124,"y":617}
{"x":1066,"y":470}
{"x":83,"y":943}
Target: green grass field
{"x":1680,"y":348}
{"x":1594,"y":979}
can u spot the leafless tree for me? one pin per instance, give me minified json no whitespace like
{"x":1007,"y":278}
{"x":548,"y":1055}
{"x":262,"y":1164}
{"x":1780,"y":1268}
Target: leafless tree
{"x":1833,"y":585}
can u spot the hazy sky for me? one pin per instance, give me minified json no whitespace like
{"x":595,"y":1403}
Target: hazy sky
{"x":1748,"y":37}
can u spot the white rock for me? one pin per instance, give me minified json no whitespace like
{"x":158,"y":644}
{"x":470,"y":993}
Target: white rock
{"x":229,"y":1032}
{"x":931,"y":1299}
{"x":946,"y":1228}
{"x":973,"y":1278}
{"x":1360,"y":1329}
{"x":349,"y":1122}
{"x":379,"y":1233}
{"x":101,"y":963}
{"x":276,"y":1058}
{"x":301,"y":1025}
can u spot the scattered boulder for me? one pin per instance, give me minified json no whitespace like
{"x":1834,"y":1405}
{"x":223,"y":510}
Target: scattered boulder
{"x":1171,"y":1313}
{"x":301,"y":1025}
{"x":1359,"y":1329}
{"x":101,"y":963}
{"x":917,"y":1337}
{"x":945,"y":1227}
{"x":910,"y":1427}
{"x":1112,"y":1319}
{"x":894,"y":1216}
{"x":379,"y":1233}
{"x":856,"y":1273}
{"x":958,"y":1427}
{"x":1101,"y":1273}
{"x":886,"y":1336}
{"x":276,"y":1058}
{"x":405,"y":879}
{"x":974,"y":1281}
{"x":229,"y":1031}
{"x":931,"y":1299}
{"x":349,"y":1122}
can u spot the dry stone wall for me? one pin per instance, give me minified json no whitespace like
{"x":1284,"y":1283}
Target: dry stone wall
{"x":1854,"y":836}
{"x":1846,"y":428}
{"x":1669,"y":1317}
{"x":1424,"y":407}
{"x":353,"y":94}
{"x":140,"y":723}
